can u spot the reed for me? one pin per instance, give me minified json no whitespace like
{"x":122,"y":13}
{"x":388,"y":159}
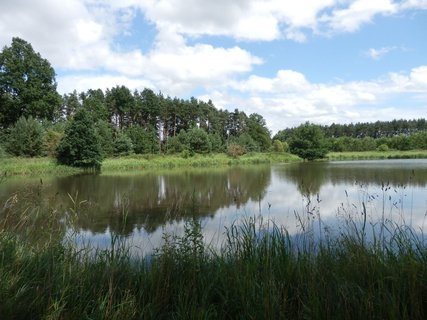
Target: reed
{"x":259,"y":272}
{"x":377,"y":155}
{"x":33,"y":166}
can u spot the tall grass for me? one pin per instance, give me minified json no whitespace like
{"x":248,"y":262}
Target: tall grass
{"x":46,"y":165}
{"x":33,"y":166}
{"x":144,"y":162}
{"x":259,"y":272}
{"x":377,"y":155}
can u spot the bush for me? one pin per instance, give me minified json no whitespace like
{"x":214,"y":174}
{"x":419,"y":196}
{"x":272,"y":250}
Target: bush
{"x":235,"y":150}
{"x":278,"y":146}
{"x":122,"y":145}
{"x":383,"y":147}
{"x":198,"y":141}
{"x":309,"y":142}
{"x":26,"y":138}
{"x":144,"y":140}
{"x":80,"y":146}
{"x":51,"y":142}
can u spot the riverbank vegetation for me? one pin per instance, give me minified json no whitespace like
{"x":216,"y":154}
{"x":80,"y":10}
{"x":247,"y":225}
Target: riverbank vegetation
{"x":82,"y":129}
{"x":11,"y":166}
{"x":259,"y":272}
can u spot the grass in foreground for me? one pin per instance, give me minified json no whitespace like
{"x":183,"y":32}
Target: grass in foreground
{"x":261,"y":272}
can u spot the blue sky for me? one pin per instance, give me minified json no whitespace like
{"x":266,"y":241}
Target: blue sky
{"x":321,"y":61}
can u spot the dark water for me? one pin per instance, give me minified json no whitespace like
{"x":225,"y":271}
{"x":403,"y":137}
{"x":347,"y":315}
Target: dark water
{"x":143,"y":206}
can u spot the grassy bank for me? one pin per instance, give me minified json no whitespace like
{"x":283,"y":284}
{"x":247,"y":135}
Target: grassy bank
{"x":33,"y":166}
{"x":145,"y":162}
{"x":45,"y":166}
{"x":260,"y":273}
{"x":377,"y":155}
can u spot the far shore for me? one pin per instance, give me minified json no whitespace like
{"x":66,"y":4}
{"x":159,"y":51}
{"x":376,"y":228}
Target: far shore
{"x":16,"y":166}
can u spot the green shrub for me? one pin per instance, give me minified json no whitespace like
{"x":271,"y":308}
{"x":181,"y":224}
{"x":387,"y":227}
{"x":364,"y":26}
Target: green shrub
{"x":51,"y":142}
{"x":122,"y":145}
{"x":383,"y":147}
{"x":278,"y":146}
{"x":198,"y":141}
{"x":26,"y":138}
{"x":80,"y":145}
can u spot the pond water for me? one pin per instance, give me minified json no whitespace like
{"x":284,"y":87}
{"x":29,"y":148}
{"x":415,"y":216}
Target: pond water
{"x":141,"y":207}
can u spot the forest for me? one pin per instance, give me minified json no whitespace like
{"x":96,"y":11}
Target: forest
{"x":82,"y":128}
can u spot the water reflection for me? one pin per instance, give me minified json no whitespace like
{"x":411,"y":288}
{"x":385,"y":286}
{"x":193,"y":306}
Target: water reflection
{"x":142,"y":207}
{"x":148,"y":201}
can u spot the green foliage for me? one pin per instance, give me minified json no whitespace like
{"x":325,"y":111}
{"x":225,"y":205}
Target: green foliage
{"x":198,"y":141}
{"x":145,"y":141}
{"x":278,"y":146}
{"x":26,"y":138}
{"x":51,"y":142}
{"x":105,"y":133}
{"x":383,"y":147}
{"x":247,"y":142}
{"x":308,"y":142}
{"x":258,"y":131}
{"x":94,"y":102}
{"x":174,"y":145}
{"x":122,"y":144}
{"x":400,"y":142}
{"x":80,"y":146}
{"x":27,"y":85}
{"x":2,"y":152}
{"x":216,"y":142}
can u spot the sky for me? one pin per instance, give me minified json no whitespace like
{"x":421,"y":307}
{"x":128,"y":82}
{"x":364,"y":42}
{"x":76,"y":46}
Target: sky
{"x":322,"y":61}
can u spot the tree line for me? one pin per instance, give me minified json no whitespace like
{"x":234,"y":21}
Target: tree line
{"x":35,"y":120}
{"x":82,"y":128}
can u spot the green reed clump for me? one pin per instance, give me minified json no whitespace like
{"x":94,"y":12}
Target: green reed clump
{"x":260,"y":272}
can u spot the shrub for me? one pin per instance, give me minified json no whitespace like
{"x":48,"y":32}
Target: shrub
{"x":235,"y":150}
{"x":383,"y":147}
{"x":122,"y":145}
{"x":198,"y":141}
{"x":26,"y":138}
{"x":278,"y":146}
{"x":80,"y":146}
{"x":51,"y":142}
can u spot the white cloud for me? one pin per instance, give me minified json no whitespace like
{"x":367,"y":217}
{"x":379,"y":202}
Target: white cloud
{"x":414,"y":4}
{"x":378,"y":53}
{"x":290,"y":99}
{"x":81,"y":83}
{"x":358,"y":13}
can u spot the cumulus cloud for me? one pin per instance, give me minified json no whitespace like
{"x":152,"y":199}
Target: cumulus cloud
{"x":289,"y":98}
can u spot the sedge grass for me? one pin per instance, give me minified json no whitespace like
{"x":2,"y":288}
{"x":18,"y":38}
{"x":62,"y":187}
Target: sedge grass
{"x":47,"y":166}
{"x":34,"y":167}
{"x":148,"y":162}
{"x":377,"y":155}
{"x":260,"y":272}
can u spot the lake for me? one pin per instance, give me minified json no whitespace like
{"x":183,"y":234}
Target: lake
{"x":141,"y":207}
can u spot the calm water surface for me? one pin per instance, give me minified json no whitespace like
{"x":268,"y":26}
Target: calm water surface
{"x":141,"y":207}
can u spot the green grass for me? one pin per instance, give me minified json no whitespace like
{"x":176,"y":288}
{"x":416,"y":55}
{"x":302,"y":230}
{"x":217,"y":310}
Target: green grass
{"x":46,"y":165}
{"x":146,"y":162}
{"x":373,"y":155}
{"x":260,"y":272}
{"x":33,"y":166}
